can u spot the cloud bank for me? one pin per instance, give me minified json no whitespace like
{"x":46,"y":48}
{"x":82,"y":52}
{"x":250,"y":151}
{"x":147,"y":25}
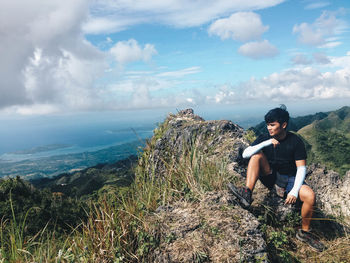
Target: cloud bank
{"x":48,"y":66}
{"x":46,"y":62}
{"x":293,"y":84}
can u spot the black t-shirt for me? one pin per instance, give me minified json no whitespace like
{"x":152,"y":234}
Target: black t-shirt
{"x":282,"y":157}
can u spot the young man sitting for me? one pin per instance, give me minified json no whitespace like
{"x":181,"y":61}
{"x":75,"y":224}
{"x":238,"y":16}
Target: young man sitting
{"x":280,"y":157}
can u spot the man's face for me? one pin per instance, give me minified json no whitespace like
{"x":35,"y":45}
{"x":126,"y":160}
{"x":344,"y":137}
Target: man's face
{"x":275,"y":128}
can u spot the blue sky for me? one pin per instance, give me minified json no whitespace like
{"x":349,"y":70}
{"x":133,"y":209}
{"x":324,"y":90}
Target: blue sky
{"x":69,"y":57}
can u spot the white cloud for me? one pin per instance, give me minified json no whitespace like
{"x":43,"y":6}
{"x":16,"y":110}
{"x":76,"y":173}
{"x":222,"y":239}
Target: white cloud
{"x":316,"y":5}
{"x":224,"y":95}
{"x":139,"y":73}
{"x":45,"y":58}
{"x":295,"y":84}
{"x":308,"y":35}
{"x":67,"y":80}
{"x":180,"y":73}
{"x":130,"y":51}
{"x":330,"y":44}
{"x":48,"y":67}
{"x":241,"y":26}
{"x":258,"y":50}
{"x":147,"y":92}
{"x":341,"y":62}
{"x":97,"y":25}
{"x":36,"y":109}
{"x":315,"y":34}
{"x":115,"y":15}
{"x":321,"y":58}
{"x":318,"y":58}
{"x":301,"y":59}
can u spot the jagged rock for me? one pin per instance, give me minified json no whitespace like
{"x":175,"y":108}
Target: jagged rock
{"x":211,"y":230}
{"x":278,"y":207}
{"x":185,"y":132}
{"x":332,"y":194}
{"x":190,"y":114}
{"x":332,"y":191}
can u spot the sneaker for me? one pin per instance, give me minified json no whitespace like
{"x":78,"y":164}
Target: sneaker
{"x":243,"y":194}
{"x":311,"y":240}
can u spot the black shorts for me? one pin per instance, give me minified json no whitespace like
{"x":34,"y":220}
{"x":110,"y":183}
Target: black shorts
{"x":268,"y":180}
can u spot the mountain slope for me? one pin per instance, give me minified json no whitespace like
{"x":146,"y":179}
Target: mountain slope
{"x":329,"y":139}
{"x":92,"y":179}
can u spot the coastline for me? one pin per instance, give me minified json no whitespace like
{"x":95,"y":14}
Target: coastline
{"x":57,"y":164}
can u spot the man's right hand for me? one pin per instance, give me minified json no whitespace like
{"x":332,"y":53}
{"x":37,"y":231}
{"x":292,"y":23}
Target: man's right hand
{"x":275,"y":142}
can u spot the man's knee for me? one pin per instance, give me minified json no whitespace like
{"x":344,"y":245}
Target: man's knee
{"x":260,"y":161}
{"x":311,"y":197}
{"x":256,"y":157}
{"x":307,"y":195}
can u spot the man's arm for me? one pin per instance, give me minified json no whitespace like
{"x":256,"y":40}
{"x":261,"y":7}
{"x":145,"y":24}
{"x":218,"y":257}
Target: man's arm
{"x":251,"y":150}
{"x":299,"y":179}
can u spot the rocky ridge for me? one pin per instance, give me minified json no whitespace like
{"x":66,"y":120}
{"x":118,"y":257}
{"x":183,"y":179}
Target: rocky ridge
{"x":215,"y":228}
{"x":186,"y":131}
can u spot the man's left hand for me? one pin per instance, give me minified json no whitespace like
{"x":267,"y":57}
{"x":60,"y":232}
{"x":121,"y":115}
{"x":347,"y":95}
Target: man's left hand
{"x":291,"y":199}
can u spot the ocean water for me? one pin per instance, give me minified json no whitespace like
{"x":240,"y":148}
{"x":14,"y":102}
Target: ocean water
{"x":45,"y":137}
{"x":83,"y":146}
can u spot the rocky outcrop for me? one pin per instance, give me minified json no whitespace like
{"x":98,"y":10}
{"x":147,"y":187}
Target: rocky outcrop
{"x":212,"y":230}
{"x":186,"y":132}
{"x":332,"y":191}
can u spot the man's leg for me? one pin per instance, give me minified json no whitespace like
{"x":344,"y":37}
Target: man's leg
{"x":307,"y":196}
{"x":258,"y":165}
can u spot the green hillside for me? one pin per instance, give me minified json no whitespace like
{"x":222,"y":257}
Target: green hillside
{"x":329,"y":140}
{"x":99,"y":178}
{"x":21,"y":203}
